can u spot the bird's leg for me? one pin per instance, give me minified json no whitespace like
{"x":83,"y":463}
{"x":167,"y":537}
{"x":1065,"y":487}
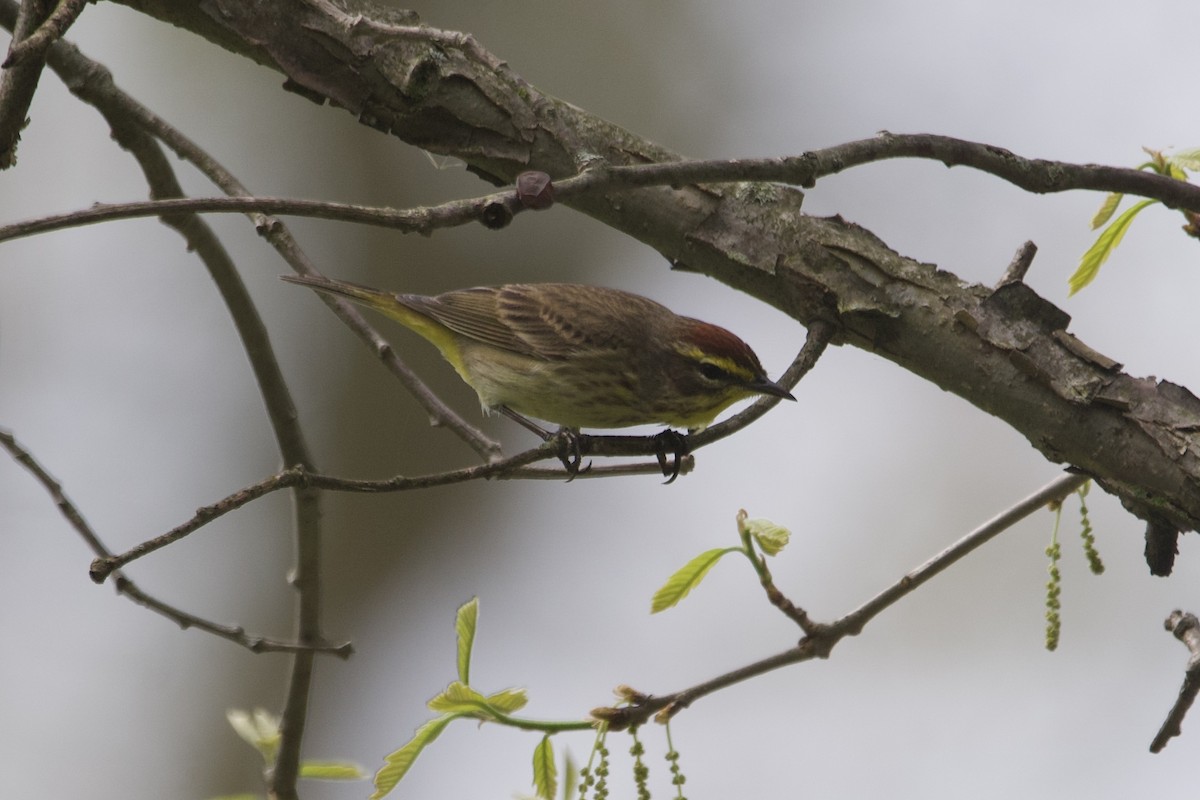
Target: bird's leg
{"x":674,"y":442}
{"x":570,"y":451}
{"x":526,"y":423}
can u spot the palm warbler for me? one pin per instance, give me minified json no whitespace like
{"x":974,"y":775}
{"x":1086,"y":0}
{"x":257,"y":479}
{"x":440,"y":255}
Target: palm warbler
{"x":577,"y":356}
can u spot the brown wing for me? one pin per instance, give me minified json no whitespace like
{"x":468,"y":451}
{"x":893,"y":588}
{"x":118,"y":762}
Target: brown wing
{"x":472,"y":313}
{"x":547,"y":320}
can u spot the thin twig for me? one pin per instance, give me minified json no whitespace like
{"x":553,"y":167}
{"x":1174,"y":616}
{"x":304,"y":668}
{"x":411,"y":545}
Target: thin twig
{"x":126,"y":587}
{"x":819,"y":335}
{"x":19,"y":83}
{"x":80,"y":76}
{"x":1055,"y":491}
{"x":820,"y":642}
{"x":1035,"y":175}
{"x":440,"y":414}
{"x":93,"y":83}
{"x":1186,"y":629}
{"x":774,"y":596}
{"x":33,"y":47}
{"x":416,"y":220}
{"x":511,"y":468}
{"x":298,"y":476}
{"x":1020,"y":264}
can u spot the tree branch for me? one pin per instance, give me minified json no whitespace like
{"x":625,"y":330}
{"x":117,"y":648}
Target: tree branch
{"x":126,"y":587}
{"x":91,"y":82}
{"x":1186,"y":629}
{"x":19,"y":81}
{"x":1006,"y":350}
{"x":820,"y":639}
{"x":33,"y":47}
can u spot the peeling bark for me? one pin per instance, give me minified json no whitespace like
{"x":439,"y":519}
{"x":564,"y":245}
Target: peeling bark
{"x":1005,"y":350}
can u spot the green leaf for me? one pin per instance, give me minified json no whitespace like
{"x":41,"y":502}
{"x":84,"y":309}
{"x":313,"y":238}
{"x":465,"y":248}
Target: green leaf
{"x":332,"y":771}
{"x":1107,"y":209}
{"x":398,"y":763}
{"x":545,"y":774}
{"x":464,"y":626}
{"x":508,"y":701}
{"x":1188,"y":159}
{"x":771,"y":538}
{"x":260,"y":729}
{"x":243,"y":725}
{"x":1099,"y":252}
{"x":570,"y":777}
{"x":1175,"y":171}
{"x":687,"y":578}
{"x":457,"y":698}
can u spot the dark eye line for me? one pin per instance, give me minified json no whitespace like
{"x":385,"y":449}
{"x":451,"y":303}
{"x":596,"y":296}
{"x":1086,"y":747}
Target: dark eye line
{"x":712,"y":372}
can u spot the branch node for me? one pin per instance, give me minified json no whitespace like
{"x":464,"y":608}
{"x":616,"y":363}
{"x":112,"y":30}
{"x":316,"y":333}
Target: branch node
{"x":1186,"y":628}
{"x":1021,"y":261}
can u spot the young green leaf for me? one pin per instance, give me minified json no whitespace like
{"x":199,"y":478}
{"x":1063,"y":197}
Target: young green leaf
{"x":464,"y":625}
{"x":457,"y":698}
{"x":260,"y":730}
{"x":1099,"y":252}
{"x":570,"y":780}
{"x":1107,"y":209}
{"x":508,"y":701}
{"x":331,"y":771}
{"x":398,"y":763}
{"x":545,"y":774}
{"x":243,"y":725}
{"x":1188,"y":159}
{"x":771,"y":538}
{"x":687,"y":578}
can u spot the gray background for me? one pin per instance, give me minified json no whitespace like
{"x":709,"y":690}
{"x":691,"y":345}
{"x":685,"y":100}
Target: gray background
{"x":119,"y":370}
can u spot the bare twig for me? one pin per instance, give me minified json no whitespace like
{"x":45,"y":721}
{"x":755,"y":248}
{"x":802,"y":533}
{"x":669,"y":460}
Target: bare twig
{"x":1035,"y":175}
{"x":1020,"y":264}
{"x":439,"y":413}
{"x":126,"y":587}
{"x":80,"y":76}
{"x":514,"y":467}
{"x":823,"y":637}
{"x":511,"y":468}
{"x":819,"y":335}
{"x":93,"y":83}
{"x":18,"y":83}
{"x":417,"y":220}
{"x":33,"y":47}
{"x":1186,"y":629}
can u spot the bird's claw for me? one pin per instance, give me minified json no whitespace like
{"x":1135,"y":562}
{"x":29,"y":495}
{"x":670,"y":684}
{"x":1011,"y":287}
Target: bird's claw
{"x":675,"y":443}
{"x":570,"y":452}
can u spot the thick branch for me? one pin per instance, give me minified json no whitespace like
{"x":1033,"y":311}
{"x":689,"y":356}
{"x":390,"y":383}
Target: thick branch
{"x":1005,"y":350}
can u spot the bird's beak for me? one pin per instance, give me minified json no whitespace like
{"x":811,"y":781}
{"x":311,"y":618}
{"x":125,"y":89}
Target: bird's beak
{"x":765,"y":386}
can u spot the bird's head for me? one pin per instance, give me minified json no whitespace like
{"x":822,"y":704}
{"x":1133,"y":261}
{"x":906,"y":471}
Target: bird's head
{"x":710,"y":369}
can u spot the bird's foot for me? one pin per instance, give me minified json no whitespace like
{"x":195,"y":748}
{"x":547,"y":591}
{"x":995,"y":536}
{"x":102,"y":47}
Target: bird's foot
{"x":674,"y":443}
{"x":570,"y":452}
{"x":570,"y":447}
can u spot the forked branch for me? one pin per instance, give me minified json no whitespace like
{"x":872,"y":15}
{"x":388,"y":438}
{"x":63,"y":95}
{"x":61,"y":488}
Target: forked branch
{"x":820,"y":638}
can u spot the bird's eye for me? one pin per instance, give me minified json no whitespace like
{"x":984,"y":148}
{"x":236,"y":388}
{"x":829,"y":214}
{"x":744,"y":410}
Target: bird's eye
{"x":712,"y":372}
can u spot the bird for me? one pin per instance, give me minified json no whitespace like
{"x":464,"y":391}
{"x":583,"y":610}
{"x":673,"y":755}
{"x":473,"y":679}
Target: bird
{"x":574,"y":355}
